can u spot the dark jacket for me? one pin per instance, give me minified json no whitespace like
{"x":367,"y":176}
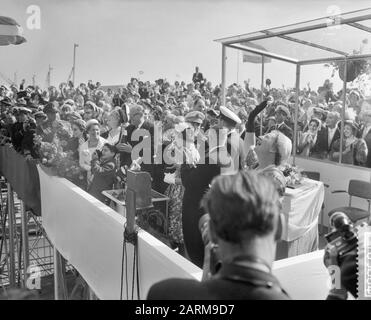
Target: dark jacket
{"x":104,"y":177}
{"x":17,"y":134}
{"x":196,"y":182}
{"x":125,"y":158}
{"x":197,"y":77}
{"x":368,"y":142}
{"x":322,"y":148}
{"x":28,"y":146}
{"x":73,"y":146}
{"x":253,"y":285}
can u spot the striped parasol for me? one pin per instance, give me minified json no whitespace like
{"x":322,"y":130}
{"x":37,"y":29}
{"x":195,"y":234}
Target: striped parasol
{"x":10,"y":32}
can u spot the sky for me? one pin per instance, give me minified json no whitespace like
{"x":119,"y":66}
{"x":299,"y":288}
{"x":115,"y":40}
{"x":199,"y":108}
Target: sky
{"x":152,"y":39}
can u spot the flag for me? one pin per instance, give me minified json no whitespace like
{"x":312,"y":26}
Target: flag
{"x":253,"y":57}
{"x":10,"y":32}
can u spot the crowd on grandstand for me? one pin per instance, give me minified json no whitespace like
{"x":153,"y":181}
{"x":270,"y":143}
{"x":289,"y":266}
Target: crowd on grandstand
{"x":89,"y":133}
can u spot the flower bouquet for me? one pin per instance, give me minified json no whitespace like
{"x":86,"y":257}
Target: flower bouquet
{"x":293,"y":176}
{"x":61,"y":163}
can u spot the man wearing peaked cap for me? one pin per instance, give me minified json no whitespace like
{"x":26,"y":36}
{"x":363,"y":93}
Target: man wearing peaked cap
{"x":229,"y":116}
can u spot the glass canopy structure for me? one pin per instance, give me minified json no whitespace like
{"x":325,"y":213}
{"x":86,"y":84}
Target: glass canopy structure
{"x":342,"y":37}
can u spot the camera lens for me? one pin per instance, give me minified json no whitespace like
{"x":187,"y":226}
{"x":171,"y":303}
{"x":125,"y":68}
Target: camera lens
{"x":339,"y":220}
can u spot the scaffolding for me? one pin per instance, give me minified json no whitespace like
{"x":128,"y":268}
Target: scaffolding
{"x":24,"y":246}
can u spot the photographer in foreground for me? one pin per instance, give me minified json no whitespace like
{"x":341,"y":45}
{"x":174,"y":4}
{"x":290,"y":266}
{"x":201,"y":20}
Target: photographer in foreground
{"x":341,"y":257}
{"x":244,"y":211}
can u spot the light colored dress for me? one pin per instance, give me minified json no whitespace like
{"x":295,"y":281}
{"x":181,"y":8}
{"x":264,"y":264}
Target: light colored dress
{"x":85,"y":155}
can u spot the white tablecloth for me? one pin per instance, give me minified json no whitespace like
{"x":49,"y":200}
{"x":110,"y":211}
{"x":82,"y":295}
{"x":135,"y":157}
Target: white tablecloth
{"x":301,"y":208}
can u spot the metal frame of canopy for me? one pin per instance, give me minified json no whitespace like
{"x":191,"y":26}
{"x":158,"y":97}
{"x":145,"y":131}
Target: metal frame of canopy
{"x":236,"y":42}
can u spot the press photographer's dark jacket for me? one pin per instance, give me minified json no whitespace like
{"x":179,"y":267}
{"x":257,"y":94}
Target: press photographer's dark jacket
{"x":253,"y":285}
{"x":104,"y":177}
{"x":196,"y":181}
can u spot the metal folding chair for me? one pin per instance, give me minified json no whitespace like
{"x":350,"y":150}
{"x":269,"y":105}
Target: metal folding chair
{"x":360,"y":189}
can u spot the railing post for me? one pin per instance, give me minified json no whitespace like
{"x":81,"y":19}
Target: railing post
{"x":25,"y":247}
{"x":297,"y":85}
{"x":11,"y":227}
{"x":262,"y":97}
{"x":60,"y":289}
{"x":224,"y":61}
{"x":343,"y":110}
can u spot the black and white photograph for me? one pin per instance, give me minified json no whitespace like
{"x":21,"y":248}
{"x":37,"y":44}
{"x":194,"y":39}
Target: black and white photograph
{"x":202,"y":151}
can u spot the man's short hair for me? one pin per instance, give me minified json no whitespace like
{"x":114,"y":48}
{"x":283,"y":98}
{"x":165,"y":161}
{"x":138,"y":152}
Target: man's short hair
{"x":136,"y":109}
{"x":242,"y":206}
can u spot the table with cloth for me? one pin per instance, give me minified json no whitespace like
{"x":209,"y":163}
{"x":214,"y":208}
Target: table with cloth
{"x":301,"y":209}
{"x":22,"y":175}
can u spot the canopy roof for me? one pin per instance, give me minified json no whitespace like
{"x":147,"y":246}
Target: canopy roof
{"x":315,"y":41}
{"x":10,"y":32}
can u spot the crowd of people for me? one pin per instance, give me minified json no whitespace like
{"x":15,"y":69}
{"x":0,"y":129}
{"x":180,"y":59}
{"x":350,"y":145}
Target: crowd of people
{"x":94,"y":134}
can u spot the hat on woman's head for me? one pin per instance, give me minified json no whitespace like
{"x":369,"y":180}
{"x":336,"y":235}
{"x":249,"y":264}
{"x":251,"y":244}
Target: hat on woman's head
{"x":70,"y":102}
{"x":317,"y":121}
{"x":51,"y":107}
{"x":284,"y":110}
{"x":91,"y":123}
{"x":352,"y":124}
{"x":119,"y":114}
{"x":81,"y":124}
{"x":72,"y":116}
{"x":91,"y":105}
{"x":195,"y":117}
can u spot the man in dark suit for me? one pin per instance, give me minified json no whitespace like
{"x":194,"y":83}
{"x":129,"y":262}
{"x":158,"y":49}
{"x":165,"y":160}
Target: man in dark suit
{"x":245,"y":240}
{"x":282,"y":114}
{"x":198,"y":77}
{"x":326,"y":136}
{"x":138,"y":132}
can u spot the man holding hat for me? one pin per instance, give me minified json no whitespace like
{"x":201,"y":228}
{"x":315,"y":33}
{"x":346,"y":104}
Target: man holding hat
{"x":282,"y":114}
